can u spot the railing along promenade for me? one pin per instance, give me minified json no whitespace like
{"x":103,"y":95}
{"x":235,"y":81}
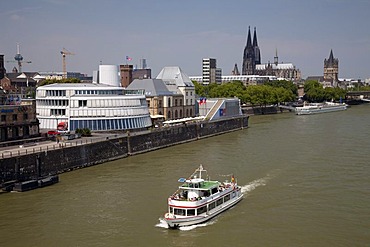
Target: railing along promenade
{"x":45,"y":146}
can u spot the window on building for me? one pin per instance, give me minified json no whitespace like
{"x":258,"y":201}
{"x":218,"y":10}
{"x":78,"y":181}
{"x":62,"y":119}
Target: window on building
{"x":25,"y":116}
{"x":82,"y":103}
{"x":159,"y":103}
{"x":3,"y":118}
{"x":180,"y":102}
{"x":15,"y":117}
{"x":175,"y":102}
{"x":148,"y":103}
{"x":169,"y":102}
{"x":186,"y":93}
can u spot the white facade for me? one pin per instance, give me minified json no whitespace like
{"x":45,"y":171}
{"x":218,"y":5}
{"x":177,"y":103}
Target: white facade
{"x":108,"y":74}
{"x":93,"y":106}
{"x":210,"y":72}
{"x":246,"y":79}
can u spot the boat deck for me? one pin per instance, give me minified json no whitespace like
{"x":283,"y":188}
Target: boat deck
{"x":206,"y":185}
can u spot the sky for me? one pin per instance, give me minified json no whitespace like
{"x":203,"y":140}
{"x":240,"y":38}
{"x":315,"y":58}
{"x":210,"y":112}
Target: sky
{"x":182,"y":33}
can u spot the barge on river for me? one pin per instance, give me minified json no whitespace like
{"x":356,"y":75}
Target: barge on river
{"x":199,"y":199}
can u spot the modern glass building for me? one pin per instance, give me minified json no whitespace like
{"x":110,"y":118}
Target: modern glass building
{"x":98,"y":107}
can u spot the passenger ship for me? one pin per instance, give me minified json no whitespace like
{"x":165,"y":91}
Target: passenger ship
{"x":314,"y":108}
{"x":198,"y":199}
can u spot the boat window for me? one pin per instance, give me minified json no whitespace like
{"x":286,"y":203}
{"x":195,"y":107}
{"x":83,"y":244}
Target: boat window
{"x":212,"y":205}
{"x":202,"y":210}
{"x":171,"y":210}
{"x":214,"y":190}
{"x":191,"y":212}
{"x":179,"y":211}
{"x":227,"y":197}
{"x":219,"y":201}
{"x":233,"y":195}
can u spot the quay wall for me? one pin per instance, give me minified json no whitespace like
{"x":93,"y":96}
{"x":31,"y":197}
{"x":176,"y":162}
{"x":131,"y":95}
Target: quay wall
{"x":35,"y":165}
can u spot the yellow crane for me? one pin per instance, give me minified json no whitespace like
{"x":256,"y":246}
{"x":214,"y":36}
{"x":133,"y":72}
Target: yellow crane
{"x":65,"y":52}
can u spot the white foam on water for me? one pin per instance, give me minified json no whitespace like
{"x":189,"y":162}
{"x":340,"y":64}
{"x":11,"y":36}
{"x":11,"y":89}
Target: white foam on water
{"x":162,"y":224}
{"x":189,"y":228}
{"x":254,"y":184}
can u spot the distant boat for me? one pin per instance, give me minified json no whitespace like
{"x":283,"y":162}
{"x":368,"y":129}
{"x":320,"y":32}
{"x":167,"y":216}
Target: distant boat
{"x":198,"y":200}
{"x":314,"y":108}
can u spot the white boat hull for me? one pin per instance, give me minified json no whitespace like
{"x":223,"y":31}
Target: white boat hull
{"x":308,"y":110}
{"x":188,"y":221}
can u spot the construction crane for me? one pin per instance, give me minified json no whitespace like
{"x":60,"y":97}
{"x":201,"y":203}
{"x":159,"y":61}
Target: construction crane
{"x":65,"y":52}
{"x":18,"y":58}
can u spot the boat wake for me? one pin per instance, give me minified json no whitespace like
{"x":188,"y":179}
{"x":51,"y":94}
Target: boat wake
{"x":189,"y":228}
{"x":254,"y":184}
{"x":163,"y":224}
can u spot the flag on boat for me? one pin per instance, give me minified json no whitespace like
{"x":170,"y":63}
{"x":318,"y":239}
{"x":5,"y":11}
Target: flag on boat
{"x":202,"y":100}
{"x":182,"y":180}
{"x":128,"y":58}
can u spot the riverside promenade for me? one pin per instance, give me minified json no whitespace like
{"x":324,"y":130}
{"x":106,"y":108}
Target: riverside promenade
{"x":22,"y":163}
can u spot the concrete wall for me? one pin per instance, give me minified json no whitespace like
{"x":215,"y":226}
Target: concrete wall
{"x":35,"y":165}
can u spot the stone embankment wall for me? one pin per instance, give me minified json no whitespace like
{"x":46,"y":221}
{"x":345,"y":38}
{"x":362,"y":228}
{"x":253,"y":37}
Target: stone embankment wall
{"x":31,"y":166}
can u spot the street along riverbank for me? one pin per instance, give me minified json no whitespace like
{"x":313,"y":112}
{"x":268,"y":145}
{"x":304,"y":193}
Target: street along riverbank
{"x":50,"y":162}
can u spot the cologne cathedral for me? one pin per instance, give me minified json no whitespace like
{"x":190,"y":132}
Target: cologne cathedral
{"x":252,"y":63}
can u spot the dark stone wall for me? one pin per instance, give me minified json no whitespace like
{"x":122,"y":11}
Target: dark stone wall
{"x":31,"y":166}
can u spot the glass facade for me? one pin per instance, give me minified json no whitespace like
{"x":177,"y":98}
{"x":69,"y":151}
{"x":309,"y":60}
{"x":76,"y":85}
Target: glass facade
{"x":110,"y":124}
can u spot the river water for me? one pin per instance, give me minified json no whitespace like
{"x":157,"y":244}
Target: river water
{"x":306,"y":181}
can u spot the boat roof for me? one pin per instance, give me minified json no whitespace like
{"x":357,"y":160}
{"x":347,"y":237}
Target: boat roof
{"x":206,"y":185}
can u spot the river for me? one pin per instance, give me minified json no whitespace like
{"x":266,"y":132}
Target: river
{"x":306,"y":181}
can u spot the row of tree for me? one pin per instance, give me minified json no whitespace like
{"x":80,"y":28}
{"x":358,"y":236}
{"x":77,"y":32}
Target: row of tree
{"x":272,"y":92}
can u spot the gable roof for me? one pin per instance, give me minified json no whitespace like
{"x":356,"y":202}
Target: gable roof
{"x":175,"y":76}
{"x":152,"y":87}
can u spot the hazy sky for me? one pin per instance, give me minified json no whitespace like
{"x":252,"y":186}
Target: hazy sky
{"x":182,"y":32}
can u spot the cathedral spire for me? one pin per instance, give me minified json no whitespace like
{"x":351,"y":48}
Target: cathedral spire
{"x":331,"y":57}
{"x":255,"y":38}
{"x":276,"y":58}
{"x":249,"y":39}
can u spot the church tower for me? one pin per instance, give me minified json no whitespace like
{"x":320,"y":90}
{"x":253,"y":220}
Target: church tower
{"x":257,"y":53}
{"x":331,"y":69}
{"x":249,"y":61}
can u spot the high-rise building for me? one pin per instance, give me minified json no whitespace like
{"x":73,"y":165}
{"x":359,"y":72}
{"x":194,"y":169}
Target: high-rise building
{"x":331,"y":67}
{"x":2,"y":68}
{"x":210,"y":72}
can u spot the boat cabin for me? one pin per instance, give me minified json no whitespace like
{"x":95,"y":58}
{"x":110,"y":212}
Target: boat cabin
{"x":196,"y":189}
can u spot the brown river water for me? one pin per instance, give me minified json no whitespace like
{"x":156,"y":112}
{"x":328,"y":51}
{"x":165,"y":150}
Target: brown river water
{"x":306,"y":182}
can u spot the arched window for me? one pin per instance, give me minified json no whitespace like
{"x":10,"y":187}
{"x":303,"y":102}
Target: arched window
{"x":180,"y":113}
{"x":169,"y":115}
{"x":169,"y":102}
{"x":187,"y":112}
{"x":176,"y":116}
{"x":191,"y":112}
